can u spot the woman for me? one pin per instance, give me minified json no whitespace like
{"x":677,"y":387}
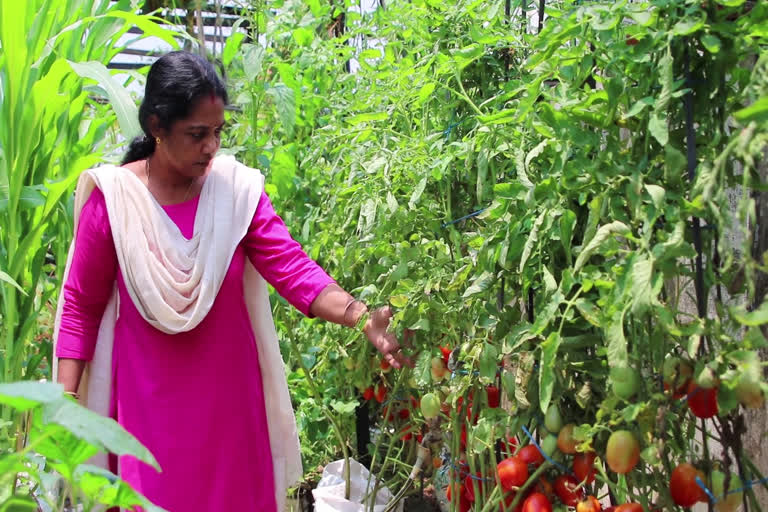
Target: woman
{"x":162,"y":306}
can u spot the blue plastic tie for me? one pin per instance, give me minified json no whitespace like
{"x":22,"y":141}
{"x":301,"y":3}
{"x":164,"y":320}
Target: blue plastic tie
{"x":706,"y":490}
{"x":749,"y":485}
{"x":468,"y":216}
{"x":547,"y":457}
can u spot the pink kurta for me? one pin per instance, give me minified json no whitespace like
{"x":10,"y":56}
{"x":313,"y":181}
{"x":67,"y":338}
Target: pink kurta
{"x":194,"y":399}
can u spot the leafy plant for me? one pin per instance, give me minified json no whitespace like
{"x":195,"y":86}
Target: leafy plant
{"x":52,"y":466}
{"x":51,"y":130}
{"x":547,"y":206}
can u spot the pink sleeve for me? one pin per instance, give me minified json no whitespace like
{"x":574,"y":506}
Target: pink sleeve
{"x":281,"y":260}
{"x":90,"y":281}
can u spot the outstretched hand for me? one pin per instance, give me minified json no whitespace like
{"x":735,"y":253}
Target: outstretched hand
{"x":385,"y":341}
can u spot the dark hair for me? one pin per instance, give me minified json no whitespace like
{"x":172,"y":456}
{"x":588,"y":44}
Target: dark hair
{"x":174,"y":82}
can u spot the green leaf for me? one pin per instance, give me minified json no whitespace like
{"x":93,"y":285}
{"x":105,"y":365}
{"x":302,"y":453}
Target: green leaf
{"x":711,"y":43}
{"x":367,"y":117}
{"x":642,"y":291}
{"x":479,"y":285}
{"x":425,"y":92}
{"x":119,"y":98}
{"x":19,"y":504}
{"x":231,"y":47}
{"x":614,"y":228}
{"x":688,"y":26}
{"x":423,"y":368}
{"x":25,"y":395}
{"x":757,"y":112}
{"x":399,"y":301}
{"x":466,"y":55}
{"x":489,"y":361}
{"x":617,"y":343}
{"x":111,"y":490}
{"x":344,"y":407}
{"x":303,"y":36}
{"x":657,"y":125}
{"x":523,"y":376}
{"x":657,"y":194}
{"x":285,"y":103}
{"x":639,"y":107}
{"x":532,"y":239}
{"x":6,"y":278}
{"x":103,"y":433}
{"x":753,"y":318}
{"x":253,"y":56}
{"x":567,"y":223}
{"x":547,"y":367}
{"x":416,"y":194}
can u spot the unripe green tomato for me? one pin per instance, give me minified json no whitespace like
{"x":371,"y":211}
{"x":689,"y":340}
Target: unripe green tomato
{"x":725,"y":502}
{"x":552,"y":420}
{"x":430,"y":406}
{"x":625,"y":382}
{"x":549,"y":444}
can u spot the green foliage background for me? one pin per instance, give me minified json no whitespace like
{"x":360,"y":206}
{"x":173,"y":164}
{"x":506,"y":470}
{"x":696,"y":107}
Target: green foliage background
{"x":572,"y":142}
{"x":534,"y":196}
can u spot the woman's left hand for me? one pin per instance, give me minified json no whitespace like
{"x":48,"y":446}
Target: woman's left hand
{"x":384,"y":341}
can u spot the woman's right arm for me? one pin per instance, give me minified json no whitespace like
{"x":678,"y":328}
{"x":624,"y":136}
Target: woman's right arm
{"x":86,"y":291}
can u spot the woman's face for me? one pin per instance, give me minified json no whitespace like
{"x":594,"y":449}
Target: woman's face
{"x":190,"y":144}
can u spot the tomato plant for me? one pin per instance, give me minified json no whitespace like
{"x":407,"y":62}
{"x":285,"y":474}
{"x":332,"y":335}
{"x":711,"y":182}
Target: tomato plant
{"x":526,"y":201}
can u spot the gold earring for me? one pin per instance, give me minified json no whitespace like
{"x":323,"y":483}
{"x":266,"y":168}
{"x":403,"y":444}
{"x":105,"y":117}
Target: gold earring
{"x":157,"y":140}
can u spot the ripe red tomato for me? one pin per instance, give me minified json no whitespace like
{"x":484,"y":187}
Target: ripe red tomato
{"x":493,"y":396}
{"x":683,"y":487}
{"x":702,"y":401}
{"x":565,"y":441}
{"x":565,"y":486}
{"x":589,"y":504}
{"x":404,"y":414}
{"x":631,"y":41}
{"x":531,"y":455}
{"x":622,"y":452}
{"x":381,"y":392}
{"x":537,"y":502}
{"x":629,"y":507}
{"x":368,"y":393}
{"x":513,"y":472}
{"x":406,"y":434}
{"x":446,"y":352}
{"x":584,"y":466}
{"x":385,"y":366}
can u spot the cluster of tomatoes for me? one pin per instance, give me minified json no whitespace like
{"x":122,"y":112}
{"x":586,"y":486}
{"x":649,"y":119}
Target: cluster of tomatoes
{"x":568,"y":486}
{"x":514,"y":471}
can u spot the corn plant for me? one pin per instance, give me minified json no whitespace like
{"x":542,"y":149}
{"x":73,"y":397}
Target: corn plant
{"x":51,"y":129}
